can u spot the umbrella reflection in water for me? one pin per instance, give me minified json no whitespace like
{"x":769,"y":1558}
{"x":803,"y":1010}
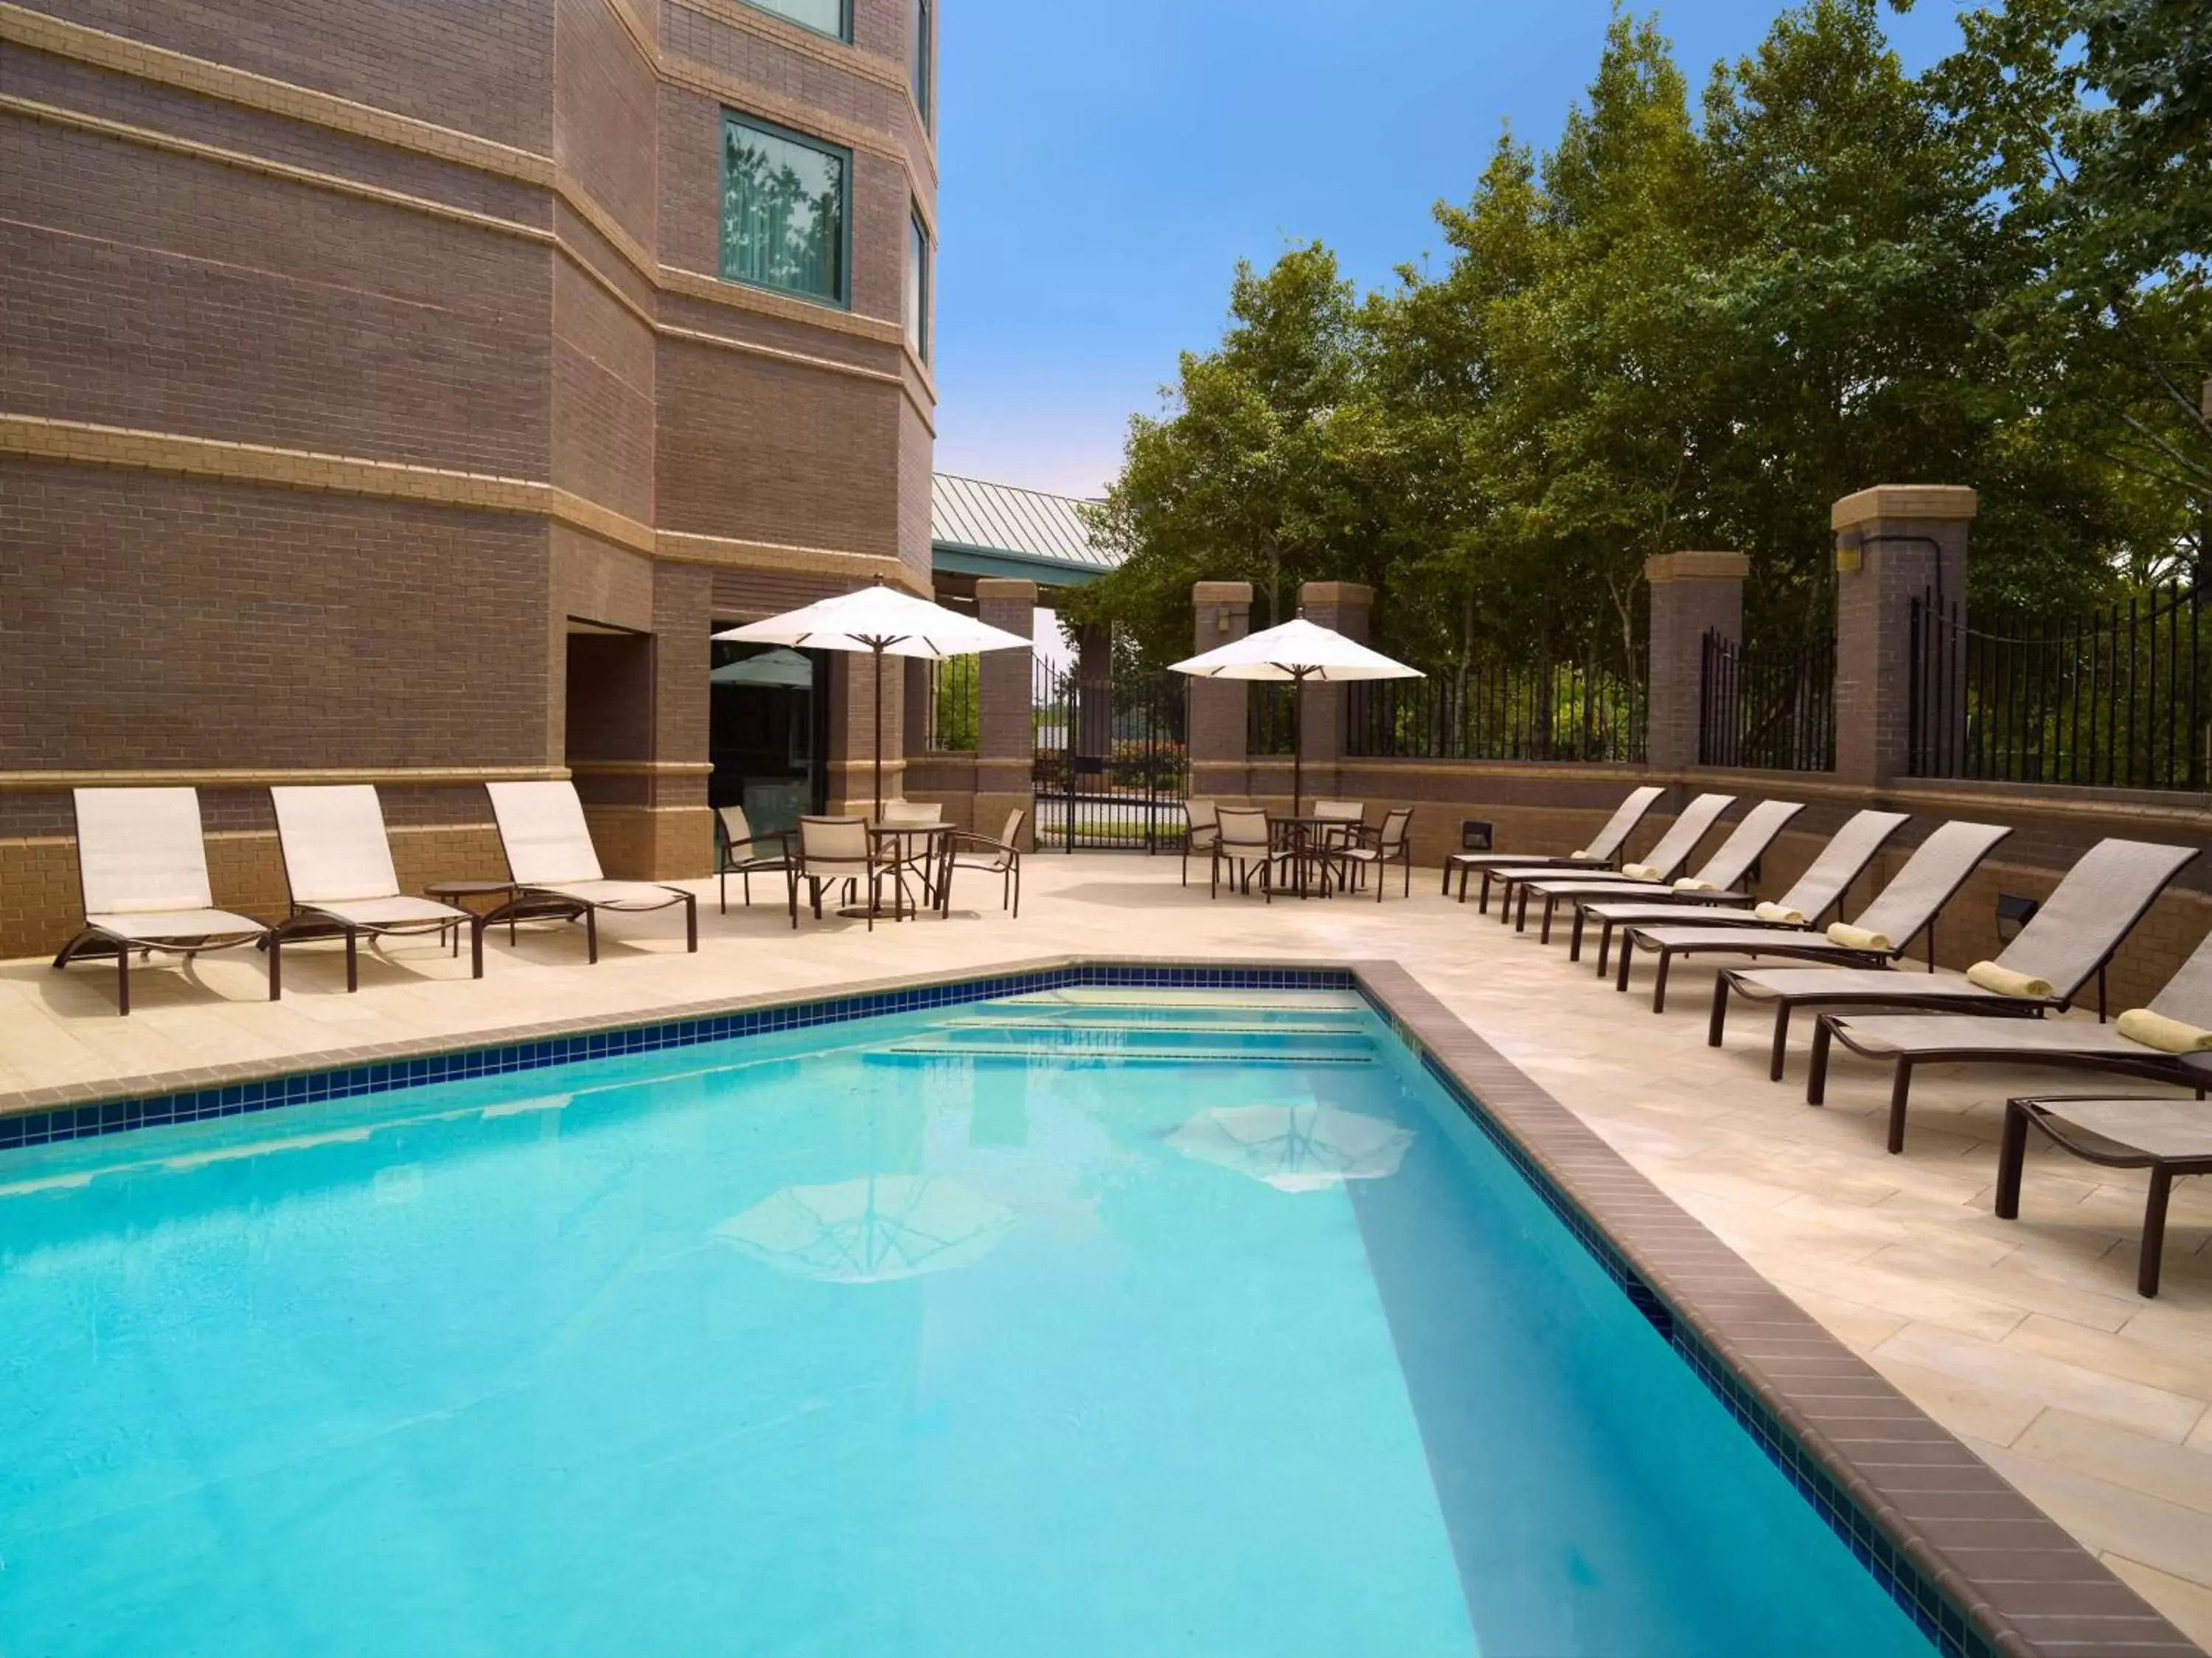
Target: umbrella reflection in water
{"x":871,"y":1230}
{"x":1295,"y":1148}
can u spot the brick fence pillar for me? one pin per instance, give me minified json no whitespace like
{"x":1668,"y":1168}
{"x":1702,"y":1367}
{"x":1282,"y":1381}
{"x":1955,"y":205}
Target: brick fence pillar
{"x":1893,"y":543}
{"x":1693,"y":594}
{"x":1221,"y":613}
{"x":1005,"y":728}
{"x":1324,"y":711}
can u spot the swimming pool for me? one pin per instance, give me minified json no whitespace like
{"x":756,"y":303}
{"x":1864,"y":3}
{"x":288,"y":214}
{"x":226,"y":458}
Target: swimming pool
{"x":1082,"y":1321}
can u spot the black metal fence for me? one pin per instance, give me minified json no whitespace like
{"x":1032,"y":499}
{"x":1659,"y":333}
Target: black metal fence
{"x":1767,"y":709}
{"x":1563,"y":711}
{"x":1111,"y":763}
{"x":1271,"y":723}
{"x":2118,"y":699}
{"x":955,"y":708}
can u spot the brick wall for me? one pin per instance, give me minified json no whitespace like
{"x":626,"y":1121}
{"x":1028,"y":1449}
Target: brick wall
{"x":447,"y":275}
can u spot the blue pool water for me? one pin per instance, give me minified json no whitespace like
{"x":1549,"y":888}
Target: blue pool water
{"x":1083,"y":1323}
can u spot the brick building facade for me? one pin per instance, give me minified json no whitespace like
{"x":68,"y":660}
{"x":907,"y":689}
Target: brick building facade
{"x":376,"y":404}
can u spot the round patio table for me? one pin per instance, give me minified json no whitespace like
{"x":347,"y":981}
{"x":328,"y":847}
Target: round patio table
{"x":1303,"y":844}
{"x":920,"y":848}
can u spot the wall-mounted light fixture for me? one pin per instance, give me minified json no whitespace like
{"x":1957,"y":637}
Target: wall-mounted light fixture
{"x":1475,"y":835}
{"x":2014,"y":913}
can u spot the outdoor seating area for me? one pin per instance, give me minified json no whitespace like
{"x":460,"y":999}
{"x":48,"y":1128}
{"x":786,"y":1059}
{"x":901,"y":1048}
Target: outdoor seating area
{"x":1333,"y":850}
{"x":2002,"y":1012}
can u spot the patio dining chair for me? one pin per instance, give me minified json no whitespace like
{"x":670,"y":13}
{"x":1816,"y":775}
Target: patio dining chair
{"x":141,"y":868}
{"x":738,"y":851}
{"x":1379,"y":848}
{"x":830,"y":851}
{"x":338,"y":870}
{"x":1245,"y":842}
{"x":552,"y":862}
{"x":1351,"y":813}
{"x":1001,"y":857}
{"x":1199,"y":830}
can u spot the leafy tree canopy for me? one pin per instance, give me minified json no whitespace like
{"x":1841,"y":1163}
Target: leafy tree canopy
{"x":1696,"y":327}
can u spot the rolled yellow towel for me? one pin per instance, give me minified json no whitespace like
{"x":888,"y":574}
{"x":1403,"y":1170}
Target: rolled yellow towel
{"x":2155,"y":1030}
{"x":1780,"y":914}
{"x":1858,"y":938}
{"x":2005,"y":982}
{"x":1687,"y":885}
{"x":1580,"y":852}
{"x":1640,"y":872}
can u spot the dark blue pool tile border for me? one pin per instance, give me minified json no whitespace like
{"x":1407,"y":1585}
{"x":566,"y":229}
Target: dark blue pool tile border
{"x":37,"y":1128}
{"x":1891,"y":1564}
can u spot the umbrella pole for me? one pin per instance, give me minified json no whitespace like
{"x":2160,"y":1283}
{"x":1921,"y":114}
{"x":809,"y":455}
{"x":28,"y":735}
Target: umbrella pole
{"x":1298,"y":740}
{"x":878,"y":744}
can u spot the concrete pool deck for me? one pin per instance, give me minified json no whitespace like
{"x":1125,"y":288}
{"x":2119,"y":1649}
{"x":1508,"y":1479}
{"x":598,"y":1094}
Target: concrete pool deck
{"x":2026,"y":1337}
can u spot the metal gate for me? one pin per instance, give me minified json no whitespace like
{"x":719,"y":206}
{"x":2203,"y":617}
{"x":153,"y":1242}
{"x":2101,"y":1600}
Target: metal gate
{"x":1112,"y":766}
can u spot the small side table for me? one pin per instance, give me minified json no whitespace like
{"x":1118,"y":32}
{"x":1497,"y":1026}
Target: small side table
{"x":456,"y":892}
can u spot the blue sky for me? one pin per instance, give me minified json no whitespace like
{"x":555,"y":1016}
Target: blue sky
{"x":1106,"y":163}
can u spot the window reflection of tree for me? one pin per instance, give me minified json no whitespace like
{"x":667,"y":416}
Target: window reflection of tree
{"x":777,"y":230}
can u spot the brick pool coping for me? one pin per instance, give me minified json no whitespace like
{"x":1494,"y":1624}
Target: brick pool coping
{"x":1978,"y":1567}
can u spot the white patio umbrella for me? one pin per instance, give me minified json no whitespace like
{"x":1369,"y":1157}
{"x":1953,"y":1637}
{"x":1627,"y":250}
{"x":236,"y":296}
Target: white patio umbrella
{"x":782,"y":669}
{"x":1295,"y":1148}
{"x":1297,"y":651}
{"x":871,"y":1230}
{"x":883,"y":622}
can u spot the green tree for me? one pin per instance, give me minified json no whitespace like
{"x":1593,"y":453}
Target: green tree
{"x":1244,"y":476}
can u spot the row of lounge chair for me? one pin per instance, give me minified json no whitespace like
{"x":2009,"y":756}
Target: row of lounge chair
{"x":1847,"y":972}
{"x":141,"y":867}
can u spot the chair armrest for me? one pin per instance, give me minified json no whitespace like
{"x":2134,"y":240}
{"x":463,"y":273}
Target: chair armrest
{"x":780,"y":838}
{"x":961,"y":838}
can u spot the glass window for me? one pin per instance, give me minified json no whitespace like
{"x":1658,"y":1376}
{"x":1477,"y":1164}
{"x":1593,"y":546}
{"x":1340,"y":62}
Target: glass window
{"x":822,"y":17}
{"x":918,"y":33}
{"x":783,"y":211}
{"x":917,"y":286}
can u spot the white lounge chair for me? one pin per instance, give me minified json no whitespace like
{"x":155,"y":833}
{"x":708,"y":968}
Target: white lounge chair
{"x":142,"y":867}
{"x":551,"y":861}
{"x":2169,"y":1137}
{"x":1715,"y":881}
{"x":1658,"y":869}
{"x":338,"y":865}
{"x":1602,"y":851}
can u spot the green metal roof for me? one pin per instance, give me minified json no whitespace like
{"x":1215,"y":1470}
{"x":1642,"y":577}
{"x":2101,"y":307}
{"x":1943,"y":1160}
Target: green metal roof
{"x":977,"y":529}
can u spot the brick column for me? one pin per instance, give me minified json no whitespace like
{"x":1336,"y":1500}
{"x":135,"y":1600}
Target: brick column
{"x":1893,"y":543}
{"x":1006,"y":737}
{"x":1693,"y":594}
{"x":1221,"y":613}
{"x":1323,"y":711}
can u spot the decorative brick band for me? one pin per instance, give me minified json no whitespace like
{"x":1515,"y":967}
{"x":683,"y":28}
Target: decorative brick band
{"x":247,"y":90}
{"x":395,"y":777}
{"x":120,"y":55}
{"x":34,"y":437}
